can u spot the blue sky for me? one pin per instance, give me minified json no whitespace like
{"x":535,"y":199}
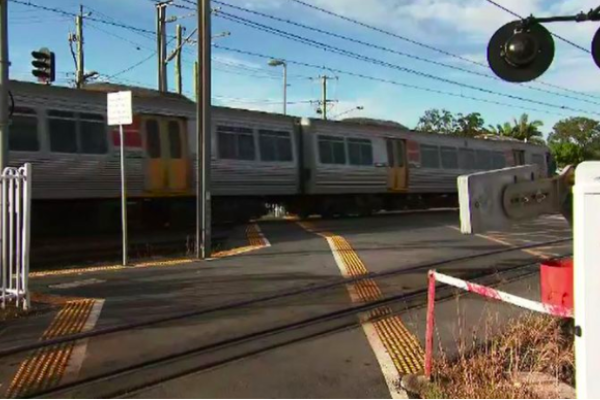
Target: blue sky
{"x":461,"y":27}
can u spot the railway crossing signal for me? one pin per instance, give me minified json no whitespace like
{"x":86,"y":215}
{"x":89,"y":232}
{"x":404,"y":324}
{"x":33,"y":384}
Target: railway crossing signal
{"x":44,"y":62}
{"x":522,"y":50}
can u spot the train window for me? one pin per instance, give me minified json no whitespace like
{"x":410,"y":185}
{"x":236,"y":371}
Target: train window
{"x":466,"y":159}
{"x":449,"y":158}
{"x":236,"y":143}
{"x":62,"y":128}
{"x":23,"y":133}
{"x":430,"y":156}
{"x":92,"y":134}
{"x":275,"y":146}
{"x":498,"y":160}
{"x":360,"y":152}
{"x":332,"y":150}
{"x":483,"y":160}
{"x":153,"y":138}
{"x":174,"y":140}
{"x":538,"y":159}
{"x":61,"y":114}
{"x":519,"y":157}
{"x":246,"y":149}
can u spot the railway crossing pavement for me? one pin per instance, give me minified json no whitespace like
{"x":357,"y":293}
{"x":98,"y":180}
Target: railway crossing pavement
{"x":322,"y":341}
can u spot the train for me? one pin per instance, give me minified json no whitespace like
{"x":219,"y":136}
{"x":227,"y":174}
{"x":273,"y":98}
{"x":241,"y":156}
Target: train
{"x":309,"y":166}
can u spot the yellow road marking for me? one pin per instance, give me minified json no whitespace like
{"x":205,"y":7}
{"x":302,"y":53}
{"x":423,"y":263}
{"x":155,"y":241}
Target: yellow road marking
{"x":498,"y":240}
{"x":256,"y":241}
{"x":402,"y":347}
{"x":45,"y":367}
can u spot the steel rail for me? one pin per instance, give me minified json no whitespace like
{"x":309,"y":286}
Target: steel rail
{"x":62,"y":390}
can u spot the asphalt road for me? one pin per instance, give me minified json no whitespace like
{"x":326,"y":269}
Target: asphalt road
{"x":343,"y":355}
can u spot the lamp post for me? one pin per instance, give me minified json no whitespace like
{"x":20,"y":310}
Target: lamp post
{"x":281,"y":63}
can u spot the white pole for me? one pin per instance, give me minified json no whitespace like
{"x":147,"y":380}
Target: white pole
{"x":586,"y":230}
{"x":123,"y":197}
{"x":27,"y":231}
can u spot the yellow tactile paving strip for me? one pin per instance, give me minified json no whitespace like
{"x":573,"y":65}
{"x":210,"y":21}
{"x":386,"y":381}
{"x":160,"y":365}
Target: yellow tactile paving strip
{"x":402,"y":346}
{"x":255,"y":238}
{"x":45,"y":367}
{"x":256,"y":241}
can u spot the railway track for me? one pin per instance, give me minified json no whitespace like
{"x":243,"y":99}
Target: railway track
{"x":312,"y":327}
{"x":128,"y":380}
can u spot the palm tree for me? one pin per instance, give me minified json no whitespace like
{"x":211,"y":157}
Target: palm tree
{"x":527,"y":131}
{"x":505,"y":129}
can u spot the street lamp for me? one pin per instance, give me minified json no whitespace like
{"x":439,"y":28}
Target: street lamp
{"x":281,"y":63}
{"x":357,"y":108}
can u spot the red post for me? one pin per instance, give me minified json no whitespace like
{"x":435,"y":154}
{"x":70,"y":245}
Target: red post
{"x":430,"y":325}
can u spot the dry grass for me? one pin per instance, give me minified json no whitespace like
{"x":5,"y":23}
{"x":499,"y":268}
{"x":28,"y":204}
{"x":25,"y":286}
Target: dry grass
{"x":532,"y":344}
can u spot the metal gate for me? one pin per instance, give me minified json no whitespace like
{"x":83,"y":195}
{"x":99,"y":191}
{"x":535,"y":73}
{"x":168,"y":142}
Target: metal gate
{"x":15,"y":218}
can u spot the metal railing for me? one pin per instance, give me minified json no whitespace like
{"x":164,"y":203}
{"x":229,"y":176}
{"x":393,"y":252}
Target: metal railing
{"x":15,"y":221}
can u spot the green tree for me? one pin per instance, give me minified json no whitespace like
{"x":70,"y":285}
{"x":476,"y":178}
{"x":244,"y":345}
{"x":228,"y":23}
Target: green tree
{"x":527,"y":131}
{"x":574,"y":140}
{"x":470,"y":125}
{"x":444,"y":122}
{"x":506,"y":129}
{"x":437,"y":121}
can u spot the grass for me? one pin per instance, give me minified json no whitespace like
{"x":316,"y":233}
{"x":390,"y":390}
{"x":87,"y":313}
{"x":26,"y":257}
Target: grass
{"x":533,"y":344}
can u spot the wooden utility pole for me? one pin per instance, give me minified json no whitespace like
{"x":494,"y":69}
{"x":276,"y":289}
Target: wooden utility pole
{"x":178,"y":72}
{"x":161,"y":44}
{"x":80,"y":79}
{"x":325,"y":102}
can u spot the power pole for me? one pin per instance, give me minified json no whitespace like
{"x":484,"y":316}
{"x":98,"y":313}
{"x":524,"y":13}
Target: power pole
{"x":203,"y":133}
{"x":325,"y":102}
{"x":161,"y":43}
{"x":196,"y":80}
{"x":4,"y":76}
{"x":79,"y":80}
{"x":324,"y":77}
{"x":178,"y":78}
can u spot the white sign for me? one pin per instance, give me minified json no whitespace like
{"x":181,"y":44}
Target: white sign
{"x":120,"y":110}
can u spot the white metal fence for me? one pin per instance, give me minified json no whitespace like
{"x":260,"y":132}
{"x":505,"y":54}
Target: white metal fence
{"x":15,"y":218}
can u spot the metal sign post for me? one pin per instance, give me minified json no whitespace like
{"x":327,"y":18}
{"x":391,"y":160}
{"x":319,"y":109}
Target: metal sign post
{"x":203,"y":133}
{"x":120,"y":112}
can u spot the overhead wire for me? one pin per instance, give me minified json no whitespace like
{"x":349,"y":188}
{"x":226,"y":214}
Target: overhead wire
{"x":422,"y":45}
{"x":514,"y":14}
{"x":375,"y":61}
{"x":384,"y":80}
{"x":68,"y":13}
{"x":390,"y":50}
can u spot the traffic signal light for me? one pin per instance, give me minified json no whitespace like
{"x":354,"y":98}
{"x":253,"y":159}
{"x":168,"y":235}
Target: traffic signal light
{"x":44,"y":63}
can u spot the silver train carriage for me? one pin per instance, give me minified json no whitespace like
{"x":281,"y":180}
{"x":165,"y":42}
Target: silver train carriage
{"x":310,"y":166}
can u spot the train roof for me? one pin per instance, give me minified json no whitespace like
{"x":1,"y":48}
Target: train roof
{"x":96,"y":92}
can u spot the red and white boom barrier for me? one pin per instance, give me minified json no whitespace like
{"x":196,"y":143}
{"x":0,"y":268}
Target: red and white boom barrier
{"x":555,"y":310}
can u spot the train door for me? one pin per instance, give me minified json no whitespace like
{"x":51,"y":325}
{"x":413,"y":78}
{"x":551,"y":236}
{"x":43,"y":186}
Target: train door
{"x":155,"y":174}
{"x":166,"y":160}
{"x":177,"y":162}
{"x":397,"y":170}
